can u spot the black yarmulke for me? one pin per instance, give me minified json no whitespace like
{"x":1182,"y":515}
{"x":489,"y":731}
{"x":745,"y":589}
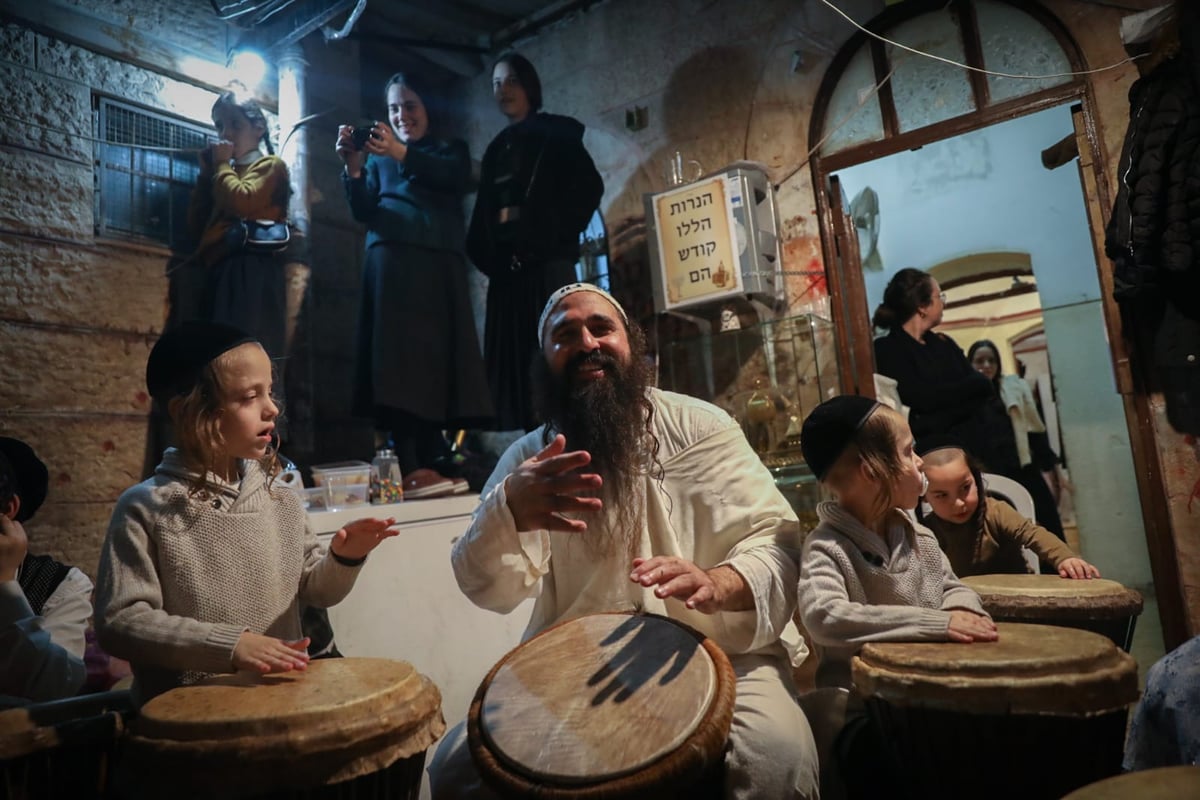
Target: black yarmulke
{"x":179,"y":355}
{"x":32,"y":476}
{"x":830,"y":427}
{"x":939,"y":441}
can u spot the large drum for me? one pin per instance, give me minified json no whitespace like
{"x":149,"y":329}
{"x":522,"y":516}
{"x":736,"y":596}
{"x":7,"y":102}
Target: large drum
{"x":1163,"y":783}
{"x":1099,"y":605}
{"x":345,"y":727}
{"x":607,"y":705}
{"x":1036,"y":714}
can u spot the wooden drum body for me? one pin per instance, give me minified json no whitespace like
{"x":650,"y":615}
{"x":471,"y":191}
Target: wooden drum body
{"x":62,"y":748}
{"x":345,"y":727}
{"x":1036,"y":714}
{"x":1100,"y":605}
{"x":607,"y":705}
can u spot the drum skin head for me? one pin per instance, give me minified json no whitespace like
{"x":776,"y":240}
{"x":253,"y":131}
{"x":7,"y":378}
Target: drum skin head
{"x":338,"y":719}
{"x":1043,"y":597}
{"x":1031,"y":669}
{"x":599,"y":697}
{"x":1163,"y":783}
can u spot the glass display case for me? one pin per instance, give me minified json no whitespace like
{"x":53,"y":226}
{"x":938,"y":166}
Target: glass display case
{"x":768,"y":375}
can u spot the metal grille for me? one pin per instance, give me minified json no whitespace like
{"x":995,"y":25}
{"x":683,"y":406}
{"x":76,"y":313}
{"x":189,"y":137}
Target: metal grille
{"x":146,"y":166}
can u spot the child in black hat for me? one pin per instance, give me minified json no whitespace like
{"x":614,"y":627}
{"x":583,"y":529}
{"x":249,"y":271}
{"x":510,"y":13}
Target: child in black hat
{"x":206,"y":563}
{"x":44,"y":605}
{"x":869,"y":571}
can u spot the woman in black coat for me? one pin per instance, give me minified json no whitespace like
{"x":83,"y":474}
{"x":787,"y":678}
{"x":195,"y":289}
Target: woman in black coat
{"x":418,"y":369}
{"x":538,"y":189}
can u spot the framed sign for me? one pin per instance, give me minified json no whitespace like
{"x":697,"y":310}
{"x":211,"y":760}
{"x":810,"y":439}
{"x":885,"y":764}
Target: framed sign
{"x":696,"y":246}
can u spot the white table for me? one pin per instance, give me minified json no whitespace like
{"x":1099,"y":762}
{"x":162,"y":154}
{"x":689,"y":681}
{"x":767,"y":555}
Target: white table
{"x":406,"y":604}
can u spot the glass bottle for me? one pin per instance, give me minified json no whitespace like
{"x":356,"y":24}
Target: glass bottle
{"x":386,"y":482}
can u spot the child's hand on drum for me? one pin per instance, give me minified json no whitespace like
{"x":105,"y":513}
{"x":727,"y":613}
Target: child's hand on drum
{"x":263,"y":654}
{"x":1077,"y":568}
{"x":967,"y":626}
{"x":362,"y":536}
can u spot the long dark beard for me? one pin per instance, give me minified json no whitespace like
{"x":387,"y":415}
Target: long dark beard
{"x":610,"y":419}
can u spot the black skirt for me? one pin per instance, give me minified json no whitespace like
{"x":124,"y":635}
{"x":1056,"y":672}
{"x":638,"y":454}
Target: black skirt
{"x":417,"y":349}
{"x":514,"y":303}
{"x":249,"y":291}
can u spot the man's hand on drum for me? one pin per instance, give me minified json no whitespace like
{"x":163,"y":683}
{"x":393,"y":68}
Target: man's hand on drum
{"x":708,"y":591}
{"x":545,"y":487}
{"x":362,"y":536}
{"x":967,"y":626}
{"x":1077,"y":568}
{"x":263,"y":654}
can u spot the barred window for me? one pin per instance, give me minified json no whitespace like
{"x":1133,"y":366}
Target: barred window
{"x":146,"y":165}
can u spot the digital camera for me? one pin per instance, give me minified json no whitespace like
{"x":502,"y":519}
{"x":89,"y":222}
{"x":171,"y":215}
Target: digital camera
{"x":361,"y":134}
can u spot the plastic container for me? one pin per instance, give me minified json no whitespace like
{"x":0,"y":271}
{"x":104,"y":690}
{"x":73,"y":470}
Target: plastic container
{"x":341,"y":473}
{"x":348,"y":494}
{"x":317,"y":498}
{"x":347,"y":482}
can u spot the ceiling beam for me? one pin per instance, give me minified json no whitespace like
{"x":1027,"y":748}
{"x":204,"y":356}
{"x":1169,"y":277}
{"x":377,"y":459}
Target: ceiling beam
{"x":123,"y":42}
{"x":534,"y":22}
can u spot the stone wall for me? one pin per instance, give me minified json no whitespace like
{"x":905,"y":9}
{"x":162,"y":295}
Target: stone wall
{"x":79,"y":314}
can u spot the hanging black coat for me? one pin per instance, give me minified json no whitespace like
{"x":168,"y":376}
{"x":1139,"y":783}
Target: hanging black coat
{"x":1153,"y":235}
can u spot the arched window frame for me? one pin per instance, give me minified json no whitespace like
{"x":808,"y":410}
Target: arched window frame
{"x":985,"y":113}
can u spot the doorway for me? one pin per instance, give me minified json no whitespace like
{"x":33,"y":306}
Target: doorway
{"x":1008,"y":240}
{"x":923,"y":164}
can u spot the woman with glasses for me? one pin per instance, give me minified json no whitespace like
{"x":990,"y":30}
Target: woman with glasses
{"x":934,"y":378}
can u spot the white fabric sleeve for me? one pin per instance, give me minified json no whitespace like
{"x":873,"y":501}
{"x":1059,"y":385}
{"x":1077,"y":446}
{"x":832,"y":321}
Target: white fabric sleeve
{"x":496,"y":565}
{"x":67,"y":611}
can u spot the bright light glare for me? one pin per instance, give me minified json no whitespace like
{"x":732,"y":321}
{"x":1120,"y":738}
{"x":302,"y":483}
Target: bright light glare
{"x":248,"y":67}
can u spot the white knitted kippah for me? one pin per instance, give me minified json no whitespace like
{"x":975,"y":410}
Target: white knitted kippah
{"x":572,"y":288}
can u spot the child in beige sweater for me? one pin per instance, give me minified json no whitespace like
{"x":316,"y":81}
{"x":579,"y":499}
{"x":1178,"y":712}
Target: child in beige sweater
{"x":206,"y":563}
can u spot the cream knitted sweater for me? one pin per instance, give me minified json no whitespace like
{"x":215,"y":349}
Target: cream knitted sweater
{"x":854,"y":588}
{"x":181,"y":577}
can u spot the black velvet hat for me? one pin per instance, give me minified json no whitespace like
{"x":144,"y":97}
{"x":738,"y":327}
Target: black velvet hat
{"x":179,"y":355}
{"x":32,"y":476}
{"x":830,"y":428}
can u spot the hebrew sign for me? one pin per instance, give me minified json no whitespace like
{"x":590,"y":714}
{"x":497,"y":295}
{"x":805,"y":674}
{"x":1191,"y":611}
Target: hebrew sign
{"x":696,"y":247}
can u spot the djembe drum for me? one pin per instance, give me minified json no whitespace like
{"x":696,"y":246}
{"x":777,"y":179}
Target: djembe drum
{"x":606,"y":705}
{"x":344,"y":727}
{"x":1100,"y":605}
{"x":1036,"y":714}
{"x":1163,"y":783}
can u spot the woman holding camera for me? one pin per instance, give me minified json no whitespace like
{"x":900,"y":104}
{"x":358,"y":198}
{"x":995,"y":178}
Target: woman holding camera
{"x":418,"y":367}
